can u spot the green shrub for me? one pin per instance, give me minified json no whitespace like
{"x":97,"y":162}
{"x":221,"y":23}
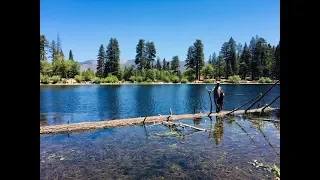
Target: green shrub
{"x":166,"y":79}
{"x":55,"y":79}
{"x":208,"y":81}
{"x":264,"y":80}
{"x":111,"y":79}
{"x":175,"y":79}
{"x":78,"y":78}
{"x":149,"y":80}
{"x":184,"y":80}
{"x":97,"y":80}
{"x":45,"y":79}
{"x":234,"y":79}
{"x":139,"y":79}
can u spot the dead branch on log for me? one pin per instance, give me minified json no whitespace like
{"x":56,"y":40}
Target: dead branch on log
{"x":261,"y":96}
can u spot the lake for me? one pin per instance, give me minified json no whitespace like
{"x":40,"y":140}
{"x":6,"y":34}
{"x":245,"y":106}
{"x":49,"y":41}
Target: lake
{"x":228,"y":150}
{"x":60,"y":104}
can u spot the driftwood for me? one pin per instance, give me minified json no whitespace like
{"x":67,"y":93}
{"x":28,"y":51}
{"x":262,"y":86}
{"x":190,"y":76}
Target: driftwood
{"x":262,"y":96}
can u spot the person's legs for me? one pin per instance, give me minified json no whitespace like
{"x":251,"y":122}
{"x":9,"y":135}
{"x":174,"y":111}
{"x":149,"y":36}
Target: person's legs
{"x":216,"y":103}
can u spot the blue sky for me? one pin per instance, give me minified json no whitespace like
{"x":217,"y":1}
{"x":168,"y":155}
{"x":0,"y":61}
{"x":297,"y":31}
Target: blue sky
{"x":173,"y":25}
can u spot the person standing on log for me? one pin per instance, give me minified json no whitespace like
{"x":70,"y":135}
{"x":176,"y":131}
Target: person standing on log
{"x":216,"y":95}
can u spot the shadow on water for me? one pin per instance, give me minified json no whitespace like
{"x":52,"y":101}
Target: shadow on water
{"x":159,"y":152}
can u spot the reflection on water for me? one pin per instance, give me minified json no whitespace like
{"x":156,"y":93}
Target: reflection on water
{"x":158,"y":152}
{"x":218,"y":130}
{"x":62,"y":104}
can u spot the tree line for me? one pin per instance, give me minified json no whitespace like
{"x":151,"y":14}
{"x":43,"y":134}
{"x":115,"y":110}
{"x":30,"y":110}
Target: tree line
{"x":60,"y":66}
{"x":249,"y":62}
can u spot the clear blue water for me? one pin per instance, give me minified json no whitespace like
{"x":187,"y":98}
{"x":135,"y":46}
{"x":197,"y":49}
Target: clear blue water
{"x":155,"y":152}
{"x":60,"y":104}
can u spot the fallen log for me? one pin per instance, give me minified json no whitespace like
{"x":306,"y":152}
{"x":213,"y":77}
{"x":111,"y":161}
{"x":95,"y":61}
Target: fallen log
{"x":88,"y":126}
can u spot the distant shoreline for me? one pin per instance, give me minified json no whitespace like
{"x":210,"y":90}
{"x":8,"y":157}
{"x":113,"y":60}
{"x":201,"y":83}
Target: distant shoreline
{"x":127,"y":83}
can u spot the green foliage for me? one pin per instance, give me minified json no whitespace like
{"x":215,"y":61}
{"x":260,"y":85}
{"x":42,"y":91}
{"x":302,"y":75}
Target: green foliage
{"x":264,"y":80}
{"x":151,"y":74}
{"x":150,"y":54}
{"x":79,"y":78}
{"x":149,"y":80}
{"x":64,"y":81}
{"x":97,"y":80}
{"x":112,"y":63}
{"x":175,"y":79}
{"x":44,"y":79}
{"x":166,"y":79}
{"x":70,"y":55}
{"x":140,"y":56}
{"x":111,"y":79}
{"x":184,"y":80}
{"x":88,"y":74}
{"x":55,"y":79}
{"x":175,"y":64}
{"x":128,"y":72}
{"x":234,"y":79}
{"x":209,"y":81}
{"x":46,"y":68}
{"x":101,"y":61}
{"x":208,"y":71}
{"x":190,"y":74}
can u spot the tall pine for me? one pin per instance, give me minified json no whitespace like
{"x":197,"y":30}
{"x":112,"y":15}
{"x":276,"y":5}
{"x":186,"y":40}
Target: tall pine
{"x":140,"y":56}
{"x":198,"y":57}
{"x":101,"y":62}
{"x":164,"y":64}
{"x":112,"y":64}
{"x":70,"y":55}
{"x":175,"y":64}
{"x":158,"y":65}
{"x":150,"y":50}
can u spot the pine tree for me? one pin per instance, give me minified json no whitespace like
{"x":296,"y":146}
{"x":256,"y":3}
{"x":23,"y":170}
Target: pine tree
{"x":276,"y":65}
{"x":140,"y":57}
{"x":59,"y":46}
{"x":101,"y":62}
{"x":112,"y":64}
{"x":43,"y":49}
{"x":213,"y":59}
{"x":175,"y":64}
{"x":53,"y":50}
{"x":70,"y":55}
{"x":232,"y":56}
{"x":244,"y":65}
{"x":164,"y":64}
{"x":158,"y":65}
{"x":226,"y":55}
{"x":190,"y":60}
{"x":210,"y":61}
{"x":150,"y":54}
{"x":199,"y":57}
{"x":168,"y":66}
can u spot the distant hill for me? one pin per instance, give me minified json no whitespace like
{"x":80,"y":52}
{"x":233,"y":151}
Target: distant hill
{"x":92,"y":64}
